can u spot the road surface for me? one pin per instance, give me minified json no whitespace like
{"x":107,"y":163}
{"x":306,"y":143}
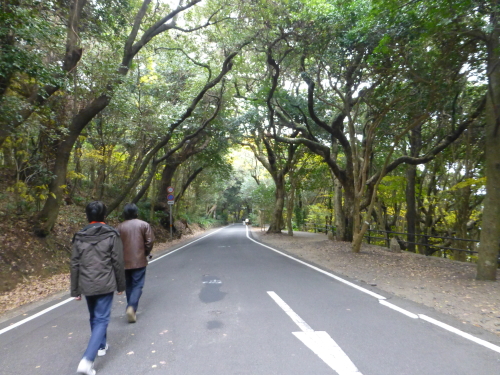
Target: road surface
{"x":225,"y":304}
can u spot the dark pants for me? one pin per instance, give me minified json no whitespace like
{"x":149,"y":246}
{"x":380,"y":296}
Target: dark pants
{"x":100,"y":310}
{"x":135,"y":282}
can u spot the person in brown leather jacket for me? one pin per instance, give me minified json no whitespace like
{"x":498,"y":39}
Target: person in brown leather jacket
{"x":137,"y":237}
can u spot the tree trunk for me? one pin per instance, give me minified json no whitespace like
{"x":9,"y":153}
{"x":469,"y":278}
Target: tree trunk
{"x":277,"y":215}
{"x":77,"y":156}
{"x":50,"y":211}
{"x":71,"y":58}
{"x":461,"y":225}
{"x":98,"y":189}
{"x":489,"y":248}
{"x":213,"y":211}
{"x":188,"y":182}
{"x":147,"y":183}
{"x":411,"y":207}
{"x":48,"y":215}
{"x":463,"y":209}
{"x":411,"y":180}
{"x":340,"y":227}
{"x":357,"y":241}
{"x":349,"y":212}
{"x":289,"y":210}
{"x":166,"y":180}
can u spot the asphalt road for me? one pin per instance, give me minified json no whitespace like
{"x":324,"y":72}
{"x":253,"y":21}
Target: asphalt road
{"x":226,"y":305}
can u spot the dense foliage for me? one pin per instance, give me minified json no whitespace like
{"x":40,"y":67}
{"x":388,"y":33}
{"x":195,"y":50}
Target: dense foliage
{"x":354,"y":115}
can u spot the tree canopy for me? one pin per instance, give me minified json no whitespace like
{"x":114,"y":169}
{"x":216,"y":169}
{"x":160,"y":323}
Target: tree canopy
{"x":351,"y":115}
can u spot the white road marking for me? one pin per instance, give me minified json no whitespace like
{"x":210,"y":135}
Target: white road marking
{"x":364,"y":290}
{"x":328,"y":350}
{"x":382,"y":301}
{"x":182,"y":247}
{"x":397,"y":308}
{"x":21,"y":322}
{"x":212,"y":282}
{"x":319,"y":342}
{"x":468,"y":336}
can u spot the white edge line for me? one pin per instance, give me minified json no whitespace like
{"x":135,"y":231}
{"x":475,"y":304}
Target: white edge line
{"x":465,"y":335}
{"x":378,"y":296}
{"x":35,"y":316}
{"x":381,"y":299}
{"x":397,"y":308}
{"x":182,"y":247}
{"x":21,"y":322}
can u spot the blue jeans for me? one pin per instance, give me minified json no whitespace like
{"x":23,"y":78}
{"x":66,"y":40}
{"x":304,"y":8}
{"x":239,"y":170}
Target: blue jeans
{"x":100,"y":311}
{"x":134,"y":283}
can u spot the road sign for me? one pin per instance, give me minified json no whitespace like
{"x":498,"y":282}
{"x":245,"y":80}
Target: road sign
{"x":170,"y":197}
{"x":170,"y":202}
{"x":170,"y":189}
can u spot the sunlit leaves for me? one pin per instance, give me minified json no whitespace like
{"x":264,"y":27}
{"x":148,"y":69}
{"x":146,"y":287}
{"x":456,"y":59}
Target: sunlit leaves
{"x":475,"y":183}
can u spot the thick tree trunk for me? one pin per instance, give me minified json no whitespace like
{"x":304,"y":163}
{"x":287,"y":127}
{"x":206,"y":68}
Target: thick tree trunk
{"x":166,"y":180}
{"x":489,"y":249}
{"x":50,"y":211}
{"x":277,"y":215}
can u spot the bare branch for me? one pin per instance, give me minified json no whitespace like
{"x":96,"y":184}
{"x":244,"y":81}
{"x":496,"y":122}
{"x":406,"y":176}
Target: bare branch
{"x":201,"y":26}
{"x":189,"y":57}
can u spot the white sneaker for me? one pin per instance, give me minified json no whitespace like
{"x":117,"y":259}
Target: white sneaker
{"x":86,"y":367}
{"x":101,"y":352}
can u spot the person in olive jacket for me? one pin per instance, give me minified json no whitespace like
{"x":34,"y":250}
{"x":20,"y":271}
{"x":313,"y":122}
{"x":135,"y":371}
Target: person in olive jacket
{"x":97,"y":271}
{"x":138,"y":238}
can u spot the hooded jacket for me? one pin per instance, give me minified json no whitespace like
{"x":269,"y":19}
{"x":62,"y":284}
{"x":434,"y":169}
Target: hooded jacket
{"x":97,"y":261}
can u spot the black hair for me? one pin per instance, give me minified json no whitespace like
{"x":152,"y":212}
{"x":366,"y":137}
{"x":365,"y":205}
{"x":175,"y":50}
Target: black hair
{"x":130,"y":211}
{"x":96,"y":211}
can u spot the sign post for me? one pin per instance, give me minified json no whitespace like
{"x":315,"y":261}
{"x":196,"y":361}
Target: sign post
{"x":170,"y":201}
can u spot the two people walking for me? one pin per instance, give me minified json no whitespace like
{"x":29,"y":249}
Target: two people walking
{"x":105,"y":260}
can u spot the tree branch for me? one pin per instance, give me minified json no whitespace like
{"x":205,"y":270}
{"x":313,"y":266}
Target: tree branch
{"x":430,"y":155}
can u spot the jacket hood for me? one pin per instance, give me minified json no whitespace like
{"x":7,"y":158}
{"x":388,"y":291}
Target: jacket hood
{"x":95,"y":232}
